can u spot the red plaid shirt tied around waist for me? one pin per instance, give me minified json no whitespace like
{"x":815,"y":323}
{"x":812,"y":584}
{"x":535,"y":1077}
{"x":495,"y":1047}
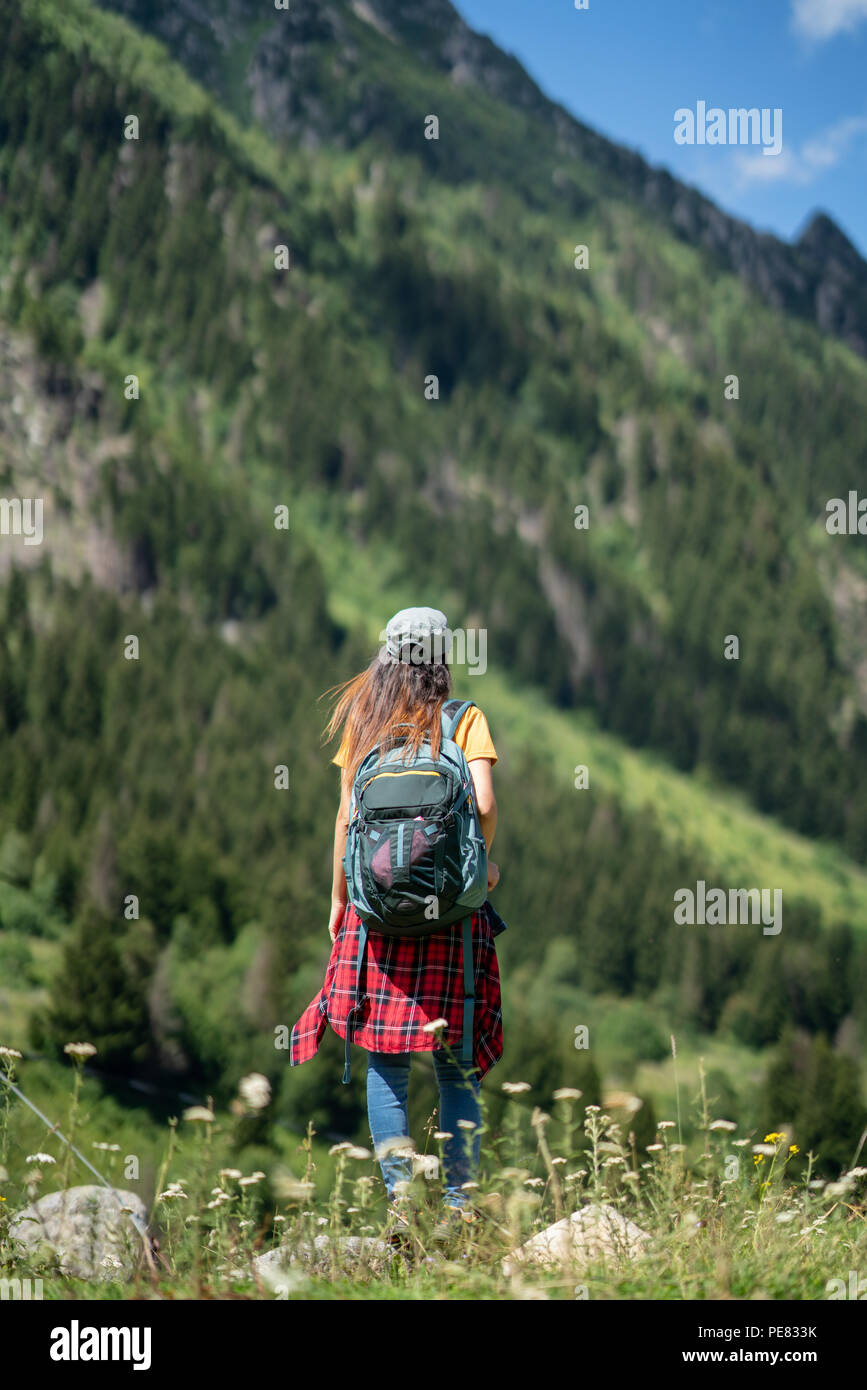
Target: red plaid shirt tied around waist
{"x":407,"y":982}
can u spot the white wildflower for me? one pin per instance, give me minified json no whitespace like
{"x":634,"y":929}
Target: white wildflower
{"x":398,"y":1144}
{"x":291,"y":1189}
{"x":840,"y":1188}
{"x":198,"y":1113}
{"x":255,"y":1090}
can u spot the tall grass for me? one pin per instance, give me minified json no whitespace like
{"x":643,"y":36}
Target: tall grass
{"x":730,"y":1215}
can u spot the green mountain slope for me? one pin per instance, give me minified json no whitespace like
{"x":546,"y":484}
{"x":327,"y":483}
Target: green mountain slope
{"x":346,"y":74}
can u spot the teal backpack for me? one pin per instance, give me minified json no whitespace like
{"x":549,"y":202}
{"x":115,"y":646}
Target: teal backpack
{"x":415,"y":858}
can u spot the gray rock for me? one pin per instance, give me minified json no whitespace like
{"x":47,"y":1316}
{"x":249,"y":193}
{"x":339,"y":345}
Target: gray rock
{"x":283,"y":1266}
{"x":85,"y":1229}
{"x":592,"y":1233}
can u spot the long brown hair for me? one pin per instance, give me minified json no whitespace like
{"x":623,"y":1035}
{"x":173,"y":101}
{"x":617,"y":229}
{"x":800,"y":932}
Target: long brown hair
{"x":370,"y":707}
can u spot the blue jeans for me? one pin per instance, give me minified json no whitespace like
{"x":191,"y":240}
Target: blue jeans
{"x":387,"y":1089}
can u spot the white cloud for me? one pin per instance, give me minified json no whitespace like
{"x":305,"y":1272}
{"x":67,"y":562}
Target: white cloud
{"x":805,"y":165}
{"x":822,"y":19}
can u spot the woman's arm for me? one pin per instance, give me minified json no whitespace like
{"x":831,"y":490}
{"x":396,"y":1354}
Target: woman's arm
{"x":481,"y":771}
{"x":338,"y":877}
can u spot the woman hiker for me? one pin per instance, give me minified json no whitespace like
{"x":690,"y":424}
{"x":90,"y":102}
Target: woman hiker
{"x":405,"y":984}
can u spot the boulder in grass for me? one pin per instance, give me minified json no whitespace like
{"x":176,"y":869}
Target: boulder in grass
{"x":595,"y":1232}
{"x":87,"y":1231}
{"x":347,"y":1254}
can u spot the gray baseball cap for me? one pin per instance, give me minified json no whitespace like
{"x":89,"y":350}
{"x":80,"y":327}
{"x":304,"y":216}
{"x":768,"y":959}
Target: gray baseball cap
{"x":418,"y":634}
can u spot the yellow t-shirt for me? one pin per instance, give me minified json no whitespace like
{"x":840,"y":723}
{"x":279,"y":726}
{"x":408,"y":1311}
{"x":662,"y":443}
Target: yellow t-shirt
{"x":472,"y":735}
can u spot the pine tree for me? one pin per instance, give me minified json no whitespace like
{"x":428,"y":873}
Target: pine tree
{"x":98,"y":996}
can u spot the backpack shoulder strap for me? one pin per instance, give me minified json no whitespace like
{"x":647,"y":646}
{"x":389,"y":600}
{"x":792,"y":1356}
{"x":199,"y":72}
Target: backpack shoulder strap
{"x":453,"y":712}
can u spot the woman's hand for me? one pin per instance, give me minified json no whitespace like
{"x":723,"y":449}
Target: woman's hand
{"x":337,"y":910}
{"x":493,"y":875}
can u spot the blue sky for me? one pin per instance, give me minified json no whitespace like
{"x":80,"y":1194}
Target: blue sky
{"x":625,"y":66}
